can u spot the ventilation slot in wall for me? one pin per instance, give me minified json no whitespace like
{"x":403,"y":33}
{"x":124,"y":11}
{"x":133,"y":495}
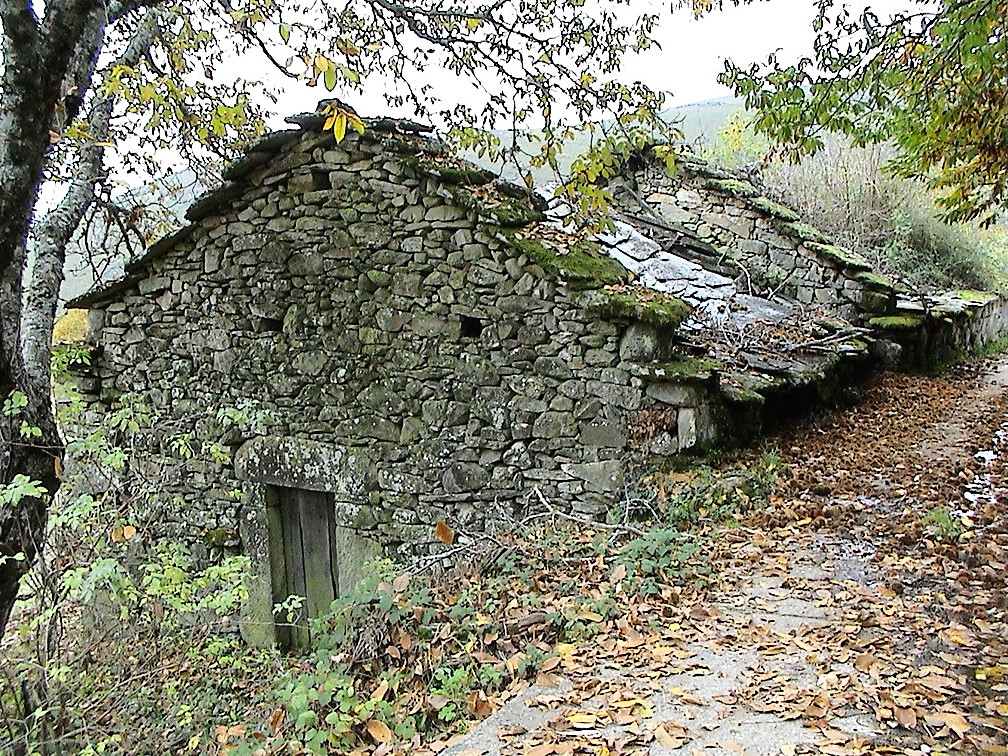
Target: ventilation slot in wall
{"x":471,"y":327}
{"x":266,"y":325}
{"x":320,"y":180}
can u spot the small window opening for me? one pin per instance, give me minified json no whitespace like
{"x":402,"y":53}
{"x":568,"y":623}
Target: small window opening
{"x":321,"y":180}
{"x":264,"y":325}
{"x":471,"y":327}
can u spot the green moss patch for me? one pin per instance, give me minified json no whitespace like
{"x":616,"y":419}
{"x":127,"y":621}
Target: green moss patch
{"x":464,"y":175}
{"x":774,"y":209}
{"x":739,"y":395}
{"x":514,"y":213}
{"x":897,"y":322}
{"x":874,"y":280}
{"x":976,"y":297}
{"x":581,"y":264}
{"x":803,"y":231}
{"x":839,"y":256}
{"x":689,"y":369}
{"x":660,"y":310}
{"x":733,"y":187}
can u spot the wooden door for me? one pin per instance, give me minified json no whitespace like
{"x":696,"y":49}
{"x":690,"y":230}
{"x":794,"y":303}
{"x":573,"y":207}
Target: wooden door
{"x":303,"y":557}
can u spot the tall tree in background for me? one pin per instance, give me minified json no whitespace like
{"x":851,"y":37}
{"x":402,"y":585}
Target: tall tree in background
{"x":85,"y":80}
{"x":933,"y":80}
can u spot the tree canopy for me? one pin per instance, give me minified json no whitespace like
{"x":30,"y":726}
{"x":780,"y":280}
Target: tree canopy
{"x":934,"y":80}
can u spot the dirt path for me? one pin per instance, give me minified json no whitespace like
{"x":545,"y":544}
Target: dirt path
{"x":862,"y":611}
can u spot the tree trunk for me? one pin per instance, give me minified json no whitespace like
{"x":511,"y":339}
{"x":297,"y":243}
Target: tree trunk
{"x":47,"y":64}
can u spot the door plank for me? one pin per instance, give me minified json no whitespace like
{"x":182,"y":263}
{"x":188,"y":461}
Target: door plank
{"x":294,"y":561}
{"x":320,"y":584}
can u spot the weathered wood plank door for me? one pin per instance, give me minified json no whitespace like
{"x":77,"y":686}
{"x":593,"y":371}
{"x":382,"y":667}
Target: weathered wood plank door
{"x":303,"y":557}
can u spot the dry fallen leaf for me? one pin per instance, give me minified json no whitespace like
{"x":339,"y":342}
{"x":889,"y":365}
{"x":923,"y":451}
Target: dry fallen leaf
{"x":444,"y":533}
{"x":379,"y":731}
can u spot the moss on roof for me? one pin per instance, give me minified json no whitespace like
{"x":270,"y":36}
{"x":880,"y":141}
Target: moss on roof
{"x":636,"y":303}
{"x":839,"y":256}
{"x":773,"y":209}
{"x":579,"y":263}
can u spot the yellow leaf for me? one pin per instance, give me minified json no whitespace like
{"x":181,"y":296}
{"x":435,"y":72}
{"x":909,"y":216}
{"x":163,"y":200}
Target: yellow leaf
{"x":128,"y":532}
{"x":379,"y":731}
{"x":285,"y":31}
{"x":339,"y":126}
{"x":355,"y":123}
{"x":472,"y":23}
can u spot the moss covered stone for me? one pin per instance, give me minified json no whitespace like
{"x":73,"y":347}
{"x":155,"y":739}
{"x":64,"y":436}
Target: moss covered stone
{"x":733,"y":187}
{"x":740,"y":395}
{"x":803,"y":231}
{"x":463,"y":175}
{"x":659,"y":310}
{"x":774,"y":209}
{"x":839,"y":256}
{"x":698,"y":369}
{"x":514,"y":213}
{"x":896,"y":322}
{"x":583,"y":265}
{"x":873,"y":279}
{"x":976,"y":297}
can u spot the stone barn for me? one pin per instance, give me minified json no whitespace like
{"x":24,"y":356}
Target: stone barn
{"x":373,"y":336}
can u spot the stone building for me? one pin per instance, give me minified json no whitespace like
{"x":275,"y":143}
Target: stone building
{"x":373,"y":335}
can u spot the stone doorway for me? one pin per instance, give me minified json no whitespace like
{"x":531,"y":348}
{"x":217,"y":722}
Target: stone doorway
{"x":306,"y":529}
{"x":304,"y":560}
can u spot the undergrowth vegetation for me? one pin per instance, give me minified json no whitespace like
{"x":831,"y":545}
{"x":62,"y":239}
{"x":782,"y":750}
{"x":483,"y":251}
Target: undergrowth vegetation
{"x":127,"y":643}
